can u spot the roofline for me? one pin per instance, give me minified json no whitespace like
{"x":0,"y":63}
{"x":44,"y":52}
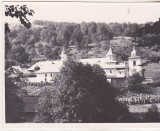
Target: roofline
{"x":116,"y":67}
{"x":47,"y":72}
{"x":136,"y":57}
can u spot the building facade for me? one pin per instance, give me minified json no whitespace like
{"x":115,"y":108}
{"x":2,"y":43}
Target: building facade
{"x":44,"y":71}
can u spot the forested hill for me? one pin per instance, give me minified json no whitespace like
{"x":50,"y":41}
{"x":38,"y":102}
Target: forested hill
{"x":45,"y":39}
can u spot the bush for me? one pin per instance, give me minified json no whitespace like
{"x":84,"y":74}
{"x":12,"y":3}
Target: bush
{"x":14,"y":106}
{"x":80,"y":93}
{"x":152,"y":115}
{"x":134,"y":83}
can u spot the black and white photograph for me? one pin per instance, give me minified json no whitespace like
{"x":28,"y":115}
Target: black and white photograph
{"x":81,"y":62}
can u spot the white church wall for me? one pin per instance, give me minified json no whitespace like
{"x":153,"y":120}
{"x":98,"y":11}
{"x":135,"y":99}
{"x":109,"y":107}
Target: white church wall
{"x":45,"y":77}
{"x":134,"y":68}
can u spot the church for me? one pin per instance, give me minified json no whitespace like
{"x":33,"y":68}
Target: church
{"x":116,"y":72}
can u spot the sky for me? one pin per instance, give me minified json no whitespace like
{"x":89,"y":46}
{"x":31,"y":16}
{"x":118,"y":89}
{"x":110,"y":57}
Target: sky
{"x":87,"y":12}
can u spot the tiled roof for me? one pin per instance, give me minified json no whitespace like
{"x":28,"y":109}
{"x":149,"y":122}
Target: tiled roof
{"x":47,"y":66}
{"x":55,"y":66}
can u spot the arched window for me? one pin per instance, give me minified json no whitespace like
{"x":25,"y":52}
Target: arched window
{"x":134,"y":63}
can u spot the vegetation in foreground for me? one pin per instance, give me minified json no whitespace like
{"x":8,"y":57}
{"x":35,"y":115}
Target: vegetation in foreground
{"x":80,"y":93}
{"x":89,"y":39}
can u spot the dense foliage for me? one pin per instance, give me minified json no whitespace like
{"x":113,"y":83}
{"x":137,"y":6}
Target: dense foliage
{"x":20,"y":12}
{"x":13,"y":103}
{"x":135,"y":82}
{"x":153,"y":114}
{"x":14,"y":106}
{"x":80,"y":93}
{"x":46,"y":39}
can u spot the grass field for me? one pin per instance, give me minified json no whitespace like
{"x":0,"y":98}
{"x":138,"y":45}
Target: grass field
{"x":152,"y":70}
{"x":141,"y":108}
{"x":123,"y":42}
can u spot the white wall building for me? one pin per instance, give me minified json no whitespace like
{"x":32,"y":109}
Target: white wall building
{"x":134,"y":63}
{"x":45,"y":70}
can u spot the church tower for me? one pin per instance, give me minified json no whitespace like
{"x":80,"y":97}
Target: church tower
{"x":110,"y":57}
{"x":134,"y":63}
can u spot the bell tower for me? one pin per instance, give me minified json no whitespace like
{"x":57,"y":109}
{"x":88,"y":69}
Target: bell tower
{"x":134,"y":63}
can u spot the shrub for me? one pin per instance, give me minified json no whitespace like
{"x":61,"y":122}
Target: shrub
{"x":80,"y":93}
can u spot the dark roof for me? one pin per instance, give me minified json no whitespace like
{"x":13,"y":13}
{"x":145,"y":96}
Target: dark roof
{"x":30,"y":102}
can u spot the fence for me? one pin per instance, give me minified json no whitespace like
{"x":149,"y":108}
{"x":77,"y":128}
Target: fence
{"x":141,"y":99}
{"x":38,"y":84}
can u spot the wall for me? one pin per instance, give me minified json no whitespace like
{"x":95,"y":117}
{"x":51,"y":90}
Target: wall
{"x":136,"y":68}
{"x":46,"y":77}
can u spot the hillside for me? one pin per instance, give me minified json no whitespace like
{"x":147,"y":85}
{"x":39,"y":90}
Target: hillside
{"x":122,"y":46}
{"x":152,"y":70}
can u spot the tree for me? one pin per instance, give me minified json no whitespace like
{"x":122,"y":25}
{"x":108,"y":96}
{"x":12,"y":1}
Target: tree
{"x":48,"y":52}
{"x":40,"y":49}
{"x":80,"y":93}
{"x":32,"y":53}
{"x":7,"y":45}
{"x":19,"y":12}
{"x":9,"y":63}
{"x":134,"y":82}
{"x":24,"y":36}
{"x":13,"y":103}
{"x":102,"y":32}
{"x":152,"y":115}
{"x":77,"y":38}
{"x":19,"y":54}
{"x":84,"y":28}
{"x":67,"y":33}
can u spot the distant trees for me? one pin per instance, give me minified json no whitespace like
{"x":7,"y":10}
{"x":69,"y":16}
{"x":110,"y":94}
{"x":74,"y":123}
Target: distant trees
{"x":80,"y":93}
{"x":51,"y":53}
{"x":21,"y":13}
{"x":76,"y":34}
{"x":149,"y":37}
{"x":59,"y":34}
{"x":19,"y":54}
{"x":149,"y":34}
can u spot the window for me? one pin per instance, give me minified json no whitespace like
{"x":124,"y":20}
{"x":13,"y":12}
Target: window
{"x":51,"y":74}
{"x":119,"y":72}
{"x":31,"y":76}
{"x":110,"y":71}
{"x":134,"y":63}
{"x":45,"y":75}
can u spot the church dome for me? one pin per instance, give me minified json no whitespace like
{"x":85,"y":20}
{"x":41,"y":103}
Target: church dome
{"x":134,"y":52}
